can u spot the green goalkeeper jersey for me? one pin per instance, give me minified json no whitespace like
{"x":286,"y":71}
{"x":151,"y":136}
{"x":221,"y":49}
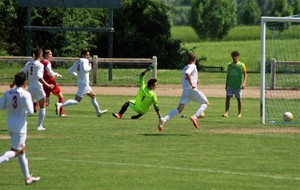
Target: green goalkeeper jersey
{"x":235,"y":74}
{"x":144,"y":98}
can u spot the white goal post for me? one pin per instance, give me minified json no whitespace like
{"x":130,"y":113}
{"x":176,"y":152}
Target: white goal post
{"x":264,"y":21}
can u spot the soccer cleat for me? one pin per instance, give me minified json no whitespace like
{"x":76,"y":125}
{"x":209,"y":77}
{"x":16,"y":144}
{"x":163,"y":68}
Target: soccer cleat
{"x":99,"y":113}
{"x":57,"y":108}
{"x":116,"y":115}
{"x":63,"y":115}
{"x":31,"y":180}
{"x":41,"y":128}
{"x":161,"y":124}
{"x":194,"y":119}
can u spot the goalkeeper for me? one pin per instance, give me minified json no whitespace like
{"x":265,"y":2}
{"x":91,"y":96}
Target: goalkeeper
{"x":144,"y":98}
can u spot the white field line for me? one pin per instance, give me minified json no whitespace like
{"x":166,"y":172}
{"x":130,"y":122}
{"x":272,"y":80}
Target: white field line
{"x":174,"y":168}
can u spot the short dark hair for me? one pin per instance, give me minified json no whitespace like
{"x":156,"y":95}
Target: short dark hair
{"x":20,"y":79}
{"x":151,"y":82}
{"x":37,"y":51}
{"x":235,"y":53}
{"x":191,"y":56}
{"x":47,"y":51}
{"x":83,"y":52}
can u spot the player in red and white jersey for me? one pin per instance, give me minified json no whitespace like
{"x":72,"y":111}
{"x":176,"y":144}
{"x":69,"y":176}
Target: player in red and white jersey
{"x":18,"y":104}
{"x":81,"y":69}
{"x":35,"y":72}
{"x":49,"y":75}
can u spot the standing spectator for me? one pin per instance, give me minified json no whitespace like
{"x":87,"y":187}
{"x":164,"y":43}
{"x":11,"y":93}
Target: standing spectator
{"x":35,"y":72}
{"x":18,"y":104}
{"x":81,"y":69}
{"x":144,"y":98}
{"x":235,"y":82}
{"x":189,"y":80}
{"x":49,"y":75}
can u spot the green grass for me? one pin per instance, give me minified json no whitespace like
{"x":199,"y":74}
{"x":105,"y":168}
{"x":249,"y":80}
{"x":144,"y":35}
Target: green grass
{"x":86,"y":152}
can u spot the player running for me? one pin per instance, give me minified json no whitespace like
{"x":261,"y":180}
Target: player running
{"x":18,"y":104}
{"x":49,"y":75}
{"x":81,"y":69}
{"x":189,"y":80}
{"x":144,"y":98}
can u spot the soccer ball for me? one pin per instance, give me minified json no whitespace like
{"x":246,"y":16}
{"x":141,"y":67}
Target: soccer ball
{"x":202,"y":115}
{"x":287,"y":116}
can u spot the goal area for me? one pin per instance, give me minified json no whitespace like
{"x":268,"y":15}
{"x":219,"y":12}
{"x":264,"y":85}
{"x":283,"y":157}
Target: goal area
{"x":280,"y":69}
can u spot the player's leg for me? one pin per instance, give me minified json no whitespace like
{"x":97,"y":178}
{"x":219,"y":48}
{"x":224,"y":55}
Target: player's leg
{"x":199,"y":97}
{"x":229,"y":94}
{"x":122,"y":110}
{"x":71,"y":102}
{"x":42,"y":114}
{"x":15,"y":145}
{"x":238,"y":95}
{"x":136,"y":116}
{"x":94,"y":102}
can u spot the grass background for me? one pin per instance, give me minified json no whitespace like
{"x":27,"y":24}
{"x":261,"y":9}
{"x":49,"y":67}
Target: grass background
{"x":86,"y":152}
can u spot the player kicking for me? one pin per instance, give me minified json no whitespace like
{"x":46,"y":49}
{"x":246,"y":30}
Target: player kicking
{"x":19,"y":104}
{"x":144,"y":98}
{"x":190,"y":92}
{"x":81,"y":69}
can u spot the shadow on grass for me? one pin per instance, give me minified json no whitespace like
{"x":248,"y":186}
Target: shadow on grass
{"x":157,"y":135}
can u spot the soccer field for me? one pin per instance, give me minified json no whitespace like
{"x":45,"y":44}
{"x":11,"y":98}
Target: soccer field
{"x":83,"y":151}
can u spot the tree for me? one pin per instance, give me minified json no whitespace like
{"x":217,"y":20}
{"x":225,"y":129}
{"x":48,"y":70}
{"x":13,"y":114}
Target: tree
{"x":213,"y":18}
{"x":280,"y":8}
{"x":142,"y":29}
{"x":296,"y":6}
{"x":250,"y":13}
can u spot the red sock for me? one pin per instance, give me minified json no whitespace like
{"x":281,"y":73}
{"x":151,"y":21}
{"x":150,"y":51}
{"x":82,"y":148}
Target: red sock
{"x":61,"y":100}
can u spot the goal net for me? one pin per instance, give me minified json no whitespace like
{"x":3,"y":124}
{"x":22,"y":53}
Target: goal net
{"x":280,"y":69}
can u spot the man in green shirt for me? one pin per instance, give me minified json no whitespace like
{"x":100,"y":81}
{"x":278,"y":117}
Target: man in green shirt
{"x":235,"y":82}
{"x":144,"y":98}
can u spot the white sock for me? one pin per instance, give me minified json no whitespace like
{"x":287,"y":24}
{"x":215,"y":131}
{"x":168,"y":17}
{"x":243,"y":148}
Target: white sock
{"x":200,"y":110}
{"x":6,"y":156}
{"x":42,"y":114}
{"x":95,"y":104}
{"x":24,"y":165}
{"x":171,"y":114}
{"x":70,"y":103}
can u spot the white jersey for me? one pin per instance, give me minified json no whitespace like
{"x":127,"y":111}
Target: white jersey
{"x":18,"y":103}
{"x":190,"y":69}
{"x":34,"y":70}
{"x":81,"y":69}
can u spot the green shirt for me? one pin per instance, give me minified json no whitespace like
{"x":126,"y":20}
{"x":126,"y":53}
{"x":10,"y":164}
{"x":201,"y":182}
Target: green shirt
{"x":144,"y":98}
{"x":235,"y":75}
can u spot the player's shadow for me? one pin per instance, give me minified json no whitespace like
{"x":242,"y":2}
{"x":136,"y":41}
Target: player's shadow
{"x":160,"y":135}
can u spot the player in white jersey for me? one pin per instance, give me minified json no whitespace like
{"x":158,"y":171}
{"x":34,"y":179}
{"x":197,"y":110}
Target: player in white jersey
{"x":81,"y":69}
{"x":189,"y":80}
{"x":18,"y":104}
{"x":35,"y":72}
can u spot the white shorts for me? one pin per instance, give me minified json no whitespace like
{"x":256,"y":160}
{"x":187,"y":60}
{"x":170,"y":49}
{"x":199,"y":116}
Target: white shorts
{"x":37,"y":93}
{"x":83,"y":89}
{"x":237,"y":92}
{"x":17,"y":140}
{"x":192,"y":94}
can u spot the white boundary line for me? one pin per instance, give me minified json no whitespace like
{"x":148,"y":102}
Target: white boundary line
{"x":174,"y":168}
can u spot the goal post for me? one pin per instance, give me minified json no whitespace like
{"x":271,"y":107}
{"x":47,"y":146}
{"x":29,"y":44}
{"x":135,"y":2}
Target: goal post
{"x":279,"y":69}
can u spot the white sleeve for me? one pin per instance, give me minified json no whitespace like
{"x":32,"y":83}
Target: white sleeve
{"x":72,"y":69}
{"x":3,"y":102}
{"x":40,"y":71}
{"x":190,"y":69}
{"x":50,"y":71}
{"x":25,"y":68}
{"x":28,"y":103}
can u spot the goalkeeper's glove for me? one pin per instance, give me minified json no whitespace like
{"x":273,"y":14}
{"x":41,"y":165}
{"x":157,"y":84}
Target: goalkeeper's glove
{"x":149,"y":67}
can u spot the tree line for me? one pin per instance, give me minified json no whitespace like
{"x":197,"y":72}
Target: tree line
{"x":142,"y":27}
